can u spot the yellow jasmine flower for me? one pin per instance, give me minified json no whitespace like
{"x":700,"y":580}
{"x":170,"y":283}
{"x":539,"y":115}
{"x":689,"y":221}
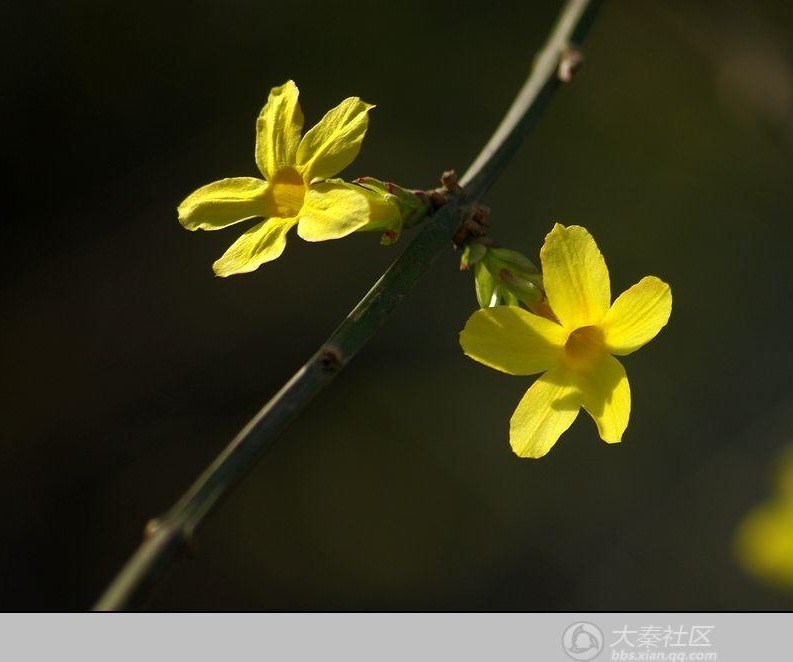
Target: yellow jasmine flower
{"x":764,"y":541}
{"x":296,"y":189}
{"x":575,"y":349}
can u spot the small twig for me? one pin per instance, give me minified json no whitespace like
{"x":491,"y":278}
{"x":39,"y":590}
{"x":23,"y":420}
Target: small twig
{"x":170,"y":536}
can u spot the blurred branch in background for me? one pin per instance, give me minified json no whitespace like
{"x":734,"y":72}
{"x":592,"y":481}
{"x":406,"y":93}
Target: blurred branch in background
{"x":168,"y":537}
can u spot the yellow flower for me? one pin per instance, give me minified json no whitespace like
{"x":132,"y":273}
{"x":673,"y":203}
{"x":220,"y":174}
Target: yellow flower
{"x":296,"y":189}
{"x":764,"y":541}
{"x":574,"y":350}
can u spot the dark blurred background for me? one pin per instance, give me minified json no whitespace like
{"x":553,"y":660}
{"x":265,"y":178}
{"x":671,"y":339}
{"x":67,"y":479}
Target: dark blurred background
{"x":126,"y":366}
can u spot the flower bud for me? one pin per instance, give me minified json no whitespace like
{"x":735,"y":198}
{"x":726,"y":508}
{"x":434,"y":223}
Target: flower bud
{"x":505,"y":277}
{"x":490,"y":290}
{"x":472,"y":253}
{"x":393,"y":208}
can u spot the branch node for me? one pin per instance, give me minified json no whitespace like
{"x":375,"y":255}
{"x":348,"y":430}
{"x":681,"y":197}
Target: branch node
{"x":450,"y":183}
{"x":437,"y":197}
{"x":571,"y":60}
{"x":184,"y":533}
{"x":330,"y":359}
{"x":151,"y":528}
{"x":474,"y":226}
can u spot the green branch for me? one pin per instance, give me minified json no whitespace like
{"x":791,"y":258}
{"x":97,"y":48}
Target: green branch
{"x":170,"y":536}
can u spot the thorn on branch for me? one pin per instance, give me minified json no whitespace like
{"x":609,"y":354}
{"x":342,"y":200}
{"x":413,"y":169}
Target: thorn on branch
{"x":571,"y":60}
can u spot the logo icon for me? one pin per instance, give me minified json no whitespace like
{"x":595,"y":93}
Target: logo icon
{"x":582,"y":641}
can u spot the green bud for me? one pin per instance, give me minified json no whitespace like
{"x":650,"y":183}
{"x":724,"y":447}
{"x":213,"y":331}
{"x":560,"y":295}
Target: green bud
{"x":525,"y":290}
{"x":513,"y":259}
{"x":491,"y":290}
{"x":408,"y":208}
{"x":507,"y":298}
{"x":472,"y":253}
{"x":503,"y":277}
{"x":485,"y":285}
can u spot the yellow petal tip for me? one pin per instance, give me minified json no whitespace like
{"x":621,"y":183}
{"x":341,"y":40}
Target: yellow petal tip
{"x":524,"y":454}
{"x":289,"y":83}
{"x":219,"y":271}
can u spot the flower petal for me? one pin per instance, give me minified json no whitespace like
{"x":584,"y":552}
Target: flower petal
{"x":334,"y":142}
{"x":512,"y":340}
{"x":333,"y":209}
{"x":765,"y":541}
{"x":278,"y":129}
{"x":607,"y":397}
{"x":264,"y":242}
{"x":637,"y":315}
{"x":223,"y":203}
{"x":549,"y":407}
{"x":575,"y":276}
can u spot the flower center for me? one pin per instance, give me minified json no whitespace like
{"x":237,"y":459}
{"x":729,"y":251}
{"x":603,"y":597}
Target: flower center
{"x":585,"y":345}
{"x":288,"y":191}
